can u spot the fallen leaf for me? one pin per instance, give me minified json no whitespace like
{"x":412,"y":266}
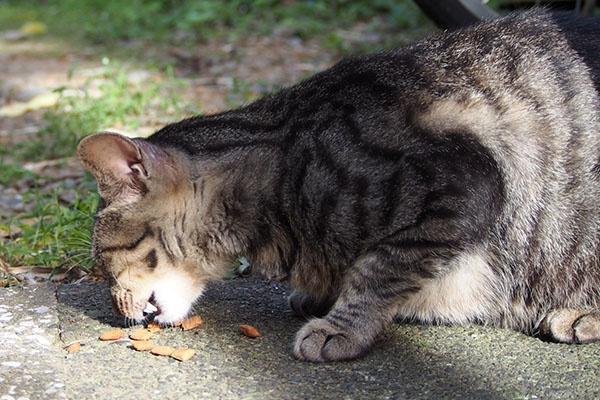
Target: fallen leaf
{"x":33,"y":28}
{"x":45,"y":100}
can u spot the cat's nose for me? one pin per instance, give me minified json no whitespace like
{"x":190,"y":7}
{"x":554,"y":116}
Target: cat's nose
{"x":150,"y":309}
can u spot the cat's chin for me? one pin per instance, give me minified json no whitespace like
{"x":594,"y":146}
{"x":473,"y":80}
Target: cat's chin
{"x":174,"y":297}
{"x":173,"y":313}
{"x":169,"y":319}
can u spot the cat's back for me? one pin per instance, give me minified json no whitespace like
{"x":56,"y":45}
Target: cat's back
{"x":510,"y":54}
{"x":536,"y":64}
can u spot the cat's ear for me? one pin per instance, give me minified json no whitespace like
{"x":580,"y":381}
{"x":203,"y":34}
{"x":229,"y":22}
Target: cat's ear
{"x":120,"y":165}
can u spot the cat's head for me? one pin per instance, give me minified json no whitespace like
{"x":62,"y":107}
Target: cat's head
{"x":141,"y":232}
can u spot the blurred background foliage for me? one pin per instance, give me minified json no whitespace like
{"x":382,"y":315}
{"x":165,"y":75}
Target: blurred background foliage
{"x":191,"y":20}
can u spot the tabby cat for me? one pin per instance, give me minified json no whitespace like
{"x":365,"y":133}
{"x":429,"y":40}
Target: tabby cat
{"x":453,"y":181}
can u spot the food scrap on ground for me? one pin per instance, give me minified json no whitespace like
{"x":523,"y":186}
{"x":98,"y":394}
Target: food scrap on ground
{"x":142,"y":345}
{"x":191,"y":323}
{"x":73,"y":347}
{"x":154,"y":327}
{"x":183,"y":354}
{"x":249,"y":331}
{"x":141,"y":334}
{"x":114,"y":334}
{"x":140,"y":338}
{"x":162,"y":350}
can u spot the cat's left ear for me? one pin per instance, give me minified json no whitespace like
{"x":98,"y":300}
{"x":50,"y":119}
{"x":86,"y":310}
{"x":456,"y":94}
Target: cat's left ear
{"x":120,"y":165}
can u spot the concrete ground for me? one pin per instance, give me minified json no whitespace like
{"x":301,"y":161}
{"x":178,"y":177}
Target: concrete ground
{"x":407,"y":362}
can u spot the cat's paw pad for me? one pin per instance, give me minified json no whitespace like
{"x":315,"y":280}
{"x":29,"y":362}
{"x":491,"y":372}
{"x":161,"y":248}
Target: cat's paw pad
{"x":320,"y":341}
{"x":573,"y":326}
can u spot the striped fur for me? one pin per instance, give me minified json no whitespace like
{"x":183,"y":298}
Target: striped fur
{"x":453,"y":181}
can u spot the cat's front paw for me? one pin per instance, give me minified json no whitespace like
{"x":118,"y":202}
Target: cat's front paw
{"x":319,"y":341}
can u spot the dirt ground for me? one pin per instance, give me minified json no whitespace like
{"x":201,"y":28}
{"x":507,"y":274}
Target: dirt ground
{"x":30,"y":66}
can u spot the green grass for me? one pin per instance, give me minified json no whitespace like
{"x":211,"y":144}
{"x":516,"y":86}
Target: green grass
{"x":107,"y":99}
{"x":51,"y":235}
{"x":9,"y":174}
{"x":101,"y":21}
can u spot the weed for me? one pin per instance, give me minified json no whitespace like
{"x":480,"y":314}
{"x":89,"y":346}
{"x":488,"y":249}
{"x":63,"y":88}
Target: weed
{"x":52,"y":234}
{"x":9,"y":174}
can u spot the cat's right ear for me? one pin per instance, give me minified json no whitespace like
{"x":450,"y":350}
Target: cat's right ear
{"x":116,"y":163}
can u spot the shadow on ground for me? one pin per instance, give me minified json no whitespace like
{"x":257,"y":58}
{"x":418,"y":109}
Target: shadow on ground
{"x":408,"y":361}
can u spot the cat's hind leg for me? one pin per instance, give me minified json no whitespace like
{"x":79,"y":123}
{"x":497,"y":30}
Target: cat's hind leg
{"x":304,"y":305}
{"x":571,"y":326}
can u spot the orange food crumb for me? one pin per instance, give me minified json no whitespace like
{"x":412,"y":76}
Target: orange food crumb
{"x":141,"y":334}
{"x":162,"y":350}
{"x":183,"y":354}
{"x":249,"y":331}
{"x":191,"y":323}
{"x":114,"y":334}
{"x":154,"y":327}
{"x":73,"y":347}
{"x":142,"y":345}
